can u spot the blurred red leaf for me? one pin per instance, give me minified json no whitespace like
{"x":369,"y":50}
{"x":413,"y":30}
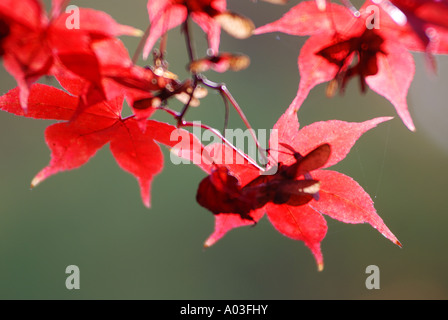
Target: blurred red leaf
{"x":428,"y":20}
{"x":210,"y":15}
{"x":343,"y":46}
{"x":168,"y":14}
{"x":32,"y":45}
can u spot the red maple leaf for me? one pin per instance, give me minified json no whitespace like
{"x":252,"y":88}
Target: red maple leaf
{"x":32,"y":45}
{"x":118,"y":76}
{"x":221,"y":192}
{"x":427,"y":18}
{"x":340,"y":197}
{"x":342,"y":46}
{"x":73,"y":143}
{"x":210,"y":15}
{"x":168,"y":14}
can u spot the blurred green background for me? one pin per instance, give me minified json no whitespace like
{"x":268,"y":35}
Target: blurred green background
{"x":93,"y":217}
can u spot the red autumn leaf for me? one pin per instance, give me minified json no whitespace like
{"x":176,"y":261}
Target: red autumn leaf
{"x":244,"y":173}
{"x":73,"y":46}
{"x":340,"y":197}
{"x":25,"y":56}
{"x":97,"y":57}
{"x":57,"y":7}
{"x":168,"y":14}
{"x":210,"y":15}
{"x":73,"y":143}
{"x":221,"y":192}
{"x":341,"y":47}
{"x":33,"y":45}
{"x":118,"y":77}
{"x":427,"y":18}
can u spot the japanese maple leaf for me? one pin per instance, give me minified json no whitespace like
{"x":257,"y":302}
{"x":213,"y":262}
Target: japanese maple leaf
{"x":221,"y":192}
{"x":340,"y":197}
{"x":73,"y":143}
{"x":210,"y":15}
{"x":32,"y":45}
{"x":427,"y":18}
{"x":342,"y":47}
{"x":119,"y":76}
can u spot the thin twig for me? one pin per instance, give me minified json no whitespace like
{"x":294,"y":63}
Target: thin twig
{"x":184,"y":123}
{"x":226,"y":93}
{"x":226,"y":115}
{"x":141,"y":45}
{"x":191,"y":55}
{"x":224,"y":140}
{"x":188,"y":40}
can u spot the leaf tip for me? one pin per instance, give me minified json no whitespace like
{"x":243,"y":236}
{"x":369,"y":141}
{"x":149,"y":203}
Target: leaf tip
{"x":384,"y":119}
{"x":320,"y":266}
{"x":321,"y":5}
{"x":391,"y":237}
{"x":147,"y":202}
{"x":376,"y":121}
{"x":137,"y":33}
{"x":36,"y":180}
{"x":130,"y":31}
{"x":208,"y":243}
{"x":145,"y":192}
{"x":411,"y":127}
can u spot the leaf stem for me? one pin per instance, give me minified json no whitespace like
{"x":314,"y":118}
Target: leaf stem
{"x":188,"y":40}
{"x":184,"y":123}
{"x":349,"y":5}
{"x":191,"y":56}
{"x":224,"y":140}
{"x":141,"y":45}
{"x":225,"y":93}
{"x":222,"y":88}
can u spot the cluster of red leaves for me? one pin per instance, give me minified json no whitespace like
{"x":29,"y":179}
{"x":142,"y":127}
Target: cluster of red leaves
{"x":74,"y":142}
{"x":342,"y":46}
{"x":34,"y":45}
{"x":244,"y":196}
{"x":97,"y":75}
{"x":94,"y":68}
